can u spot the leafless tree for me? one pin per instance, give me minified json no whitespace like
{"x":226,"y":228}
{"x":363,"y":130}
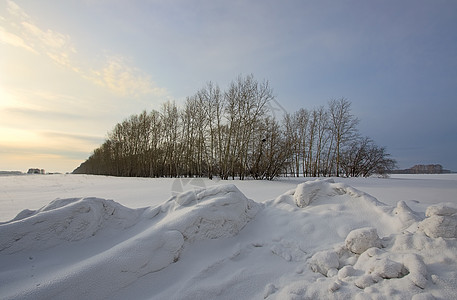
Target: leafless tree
{"x":364,"y":158}
{"x":228,"y":133}
{"x":343,"y":126}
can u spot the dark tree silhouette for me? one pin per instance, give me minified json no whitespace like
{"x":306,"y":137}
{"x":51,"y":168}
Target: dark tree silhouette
{"x":231,"y":134}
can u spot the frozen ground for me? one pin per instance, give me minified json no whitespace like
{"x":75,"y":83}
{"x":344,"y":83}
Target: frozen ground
{"x":92,"y":237}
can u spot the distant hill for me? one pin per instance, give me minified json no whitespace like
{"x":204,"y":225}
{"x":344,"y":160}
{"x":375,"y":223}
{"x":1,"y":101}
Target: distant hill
{"x":6,"y":173}
{"x":423,"y":169}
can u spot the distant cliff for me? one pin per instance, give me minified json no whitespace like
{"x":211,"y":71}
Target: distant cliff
{"x":423,"y":169}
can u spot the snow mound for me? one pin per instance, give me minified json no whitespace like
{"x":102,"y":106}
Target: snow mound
{"x":405,"y":214}
{"x":441,"y":209}
{"x":441,"y":221}
{"x":343,"y":201}
{"x":364,"y":266}
{"x":63,"y":220}
{"x":211,"y":213}
{"x":361,"y":239}
{"x":141,"y":240}
{"x":309,"y":191}
{"x":377,"y":272}
{"x":324,"y":262}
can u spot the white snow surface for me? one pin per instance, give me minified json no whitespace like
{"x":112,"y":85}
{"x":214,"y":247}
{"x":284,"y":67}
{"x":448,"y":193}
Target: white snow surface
{"x":96,"y":237}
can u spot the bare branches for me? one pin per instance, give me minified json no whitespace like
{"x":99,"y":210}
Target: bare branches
{"x":343,"y":126}
{"x":231,"y":135}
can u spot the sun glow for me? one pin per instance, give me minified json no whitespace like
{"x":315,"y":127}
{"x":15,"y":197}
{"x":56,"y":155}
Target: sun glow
{"x":6,"y":99}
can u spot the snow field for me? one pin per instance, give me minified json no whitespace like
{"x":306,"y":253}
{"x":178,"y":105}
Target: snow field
{"x":318,"y":239}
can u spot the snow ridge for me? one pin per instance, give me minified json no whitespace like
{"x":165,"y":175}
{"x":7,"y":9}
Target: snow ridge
{"x":161,"y":234}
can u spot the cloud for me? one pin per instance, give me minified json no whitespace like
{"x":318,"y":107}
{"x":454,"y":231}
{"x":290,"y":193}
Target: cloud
{"x":29,"y":36}
{"x":48,"y":152}
{"x":17,"y":141}
{"x":31,"y":113}
{"x":78,"y":138}
{"x":124,"y":80}
{"x":55,"y":45}
{"x":116,"y":73}
{"x":51,"y":159}
{"x":14,"y":40}
{"x":47,"y":103}
{"x":15,"y":10}
{"x":49,"y":38}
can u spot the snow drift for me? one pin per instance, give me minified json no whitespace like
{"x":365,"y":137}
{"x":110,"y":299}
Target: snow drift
{"x":152,"y":238}
{"x":64,"y":220}
{"x":400,"y":265}
{"x":320,"y":240}
{"x":441,"y":221}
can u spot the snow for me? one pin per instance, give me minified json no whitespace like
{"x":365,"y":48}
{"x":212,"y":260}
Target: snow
{"x":79,"y":236}
{"x":359,"y":240}
{"x":309,"y":191}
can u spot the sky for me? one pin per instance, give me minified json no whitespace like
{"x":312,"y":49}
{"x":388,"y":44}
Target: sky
{"x":71,"y":70}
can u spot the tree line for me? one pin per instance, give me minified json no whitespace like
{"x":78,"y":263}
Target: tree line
{"x":231,"y":133}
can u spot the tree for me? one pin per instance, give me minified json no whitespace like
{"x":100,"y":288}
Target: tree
{"x":212,"y":102}
{"x":246,"y":101}
{"x":291,"y":136}
{"x":229,"y":133}
{"x":343,"y":126}
{"x":364,"y":158}
{"x":170,"y":139}
{"x":321,"y":123}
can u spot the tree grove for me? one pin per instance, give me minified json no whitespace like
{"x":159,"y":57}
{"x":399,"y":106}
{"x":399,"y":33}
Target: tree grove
{"x":232,"y":134}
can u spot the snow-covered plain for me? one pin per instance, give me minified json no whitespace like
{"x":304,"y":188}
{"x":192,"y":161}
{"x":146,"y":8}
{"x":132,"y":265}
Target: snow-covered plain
{"x":94,"y":237}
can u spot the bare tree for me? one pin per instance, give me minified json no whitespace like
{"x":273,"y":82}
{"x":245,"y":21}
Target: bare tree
{"x":247,"y":101}
{"x":170,"y":138}
{"x":322,"y":136}
{"x":364,"y":158}
{"x":292,"y":139}
{"x":229,"y":133}
{"x":212,"y":103}
{"x":343,"y":125}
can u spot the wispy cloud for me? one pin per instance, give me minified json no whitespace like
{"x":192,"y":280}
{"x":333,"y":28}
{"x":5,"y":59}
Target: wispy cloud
{"x":17,"y":141}
{"x":116,"y":73}
{"x":75,"y":138}
{"x":14,"y":40}
{"x":15,"y":10}
{"x":39,"y":114}
{"x":20,"y":105}
{"x":31,"y":37}
{"x":123,"y":79}
{"x":35,"y":154}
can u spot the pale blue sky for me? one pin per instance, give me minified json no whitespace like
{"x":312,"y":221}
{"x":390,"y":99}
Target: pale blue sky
{"x":71,"y":70}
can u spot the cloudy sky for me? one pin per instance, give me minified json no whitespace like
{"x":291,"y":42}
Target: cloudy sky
{"x":70,"y":70}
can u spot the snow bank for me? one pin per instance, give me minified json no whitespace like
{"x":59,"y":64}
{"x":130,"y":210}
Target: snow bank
{"x":401,"y":264}
{"x":441,"y":221}
{"x":64,"y":220}
{"x":322,"y":189}
{"x":404,"y":268}
{"x":361,"y":209}
{"x":147,"y":240}
{"x":216,"y":212}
